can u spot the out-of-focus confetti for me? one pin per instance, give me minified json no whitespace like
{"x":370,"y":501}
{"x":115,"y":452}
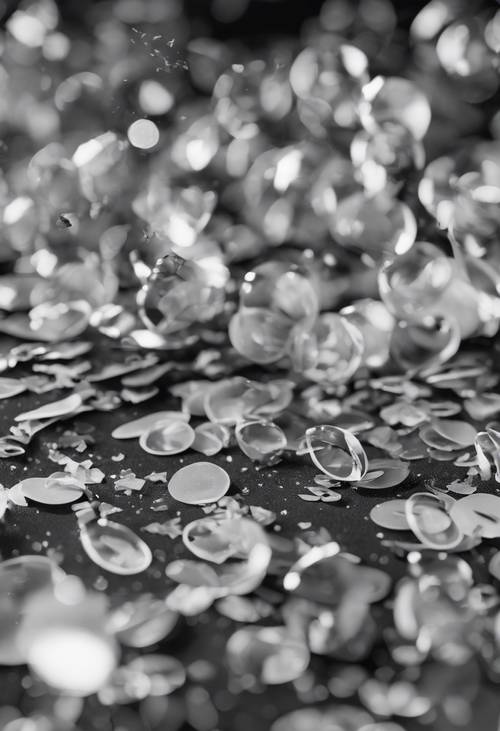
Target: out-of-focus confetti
{"x":226,"y":266}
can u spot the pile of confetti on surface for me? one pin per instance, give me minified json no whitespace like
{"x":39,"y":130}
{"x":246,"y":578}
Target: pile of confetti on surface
{"x":284,"y":258}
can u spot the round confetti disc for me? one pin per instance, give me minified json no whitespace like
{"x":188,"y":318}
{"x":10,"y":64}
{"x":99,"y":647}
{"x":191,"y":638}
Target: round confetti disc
{"x":199,"y":483}
{"x":390,"y":515}
{"x":169,"y":437}
{"x":115,"y":548}
{"x":54,"y":490}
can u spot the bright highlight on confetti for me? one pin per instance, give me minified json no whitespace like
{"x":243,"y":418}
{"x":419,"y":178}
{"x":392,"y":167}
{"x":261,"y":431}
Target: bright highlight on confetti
{"x":73,"y":660}
{"x":143,"y":134}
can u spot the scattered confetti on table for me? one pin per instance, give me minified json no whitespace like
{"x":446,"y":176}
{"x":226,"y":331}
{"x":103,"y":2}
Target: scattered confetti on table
{"x":249,"y":366}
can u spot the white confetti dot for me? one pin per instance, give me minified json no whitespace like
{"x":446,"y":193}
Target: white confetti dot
{"x":143,"y":134}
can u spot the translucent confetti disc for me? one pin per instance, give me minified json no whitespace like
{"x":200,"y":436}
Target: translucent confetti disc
{"x":269,"y":654}
{"x":386,"y":157}
{"x":115,"y":547}
{"x":209,"y":439}
{"x":59,"y":488}
{"x":142,"y":622}
{"x":199,"y":483}
{"x":282,"y":288}
{"x":336,"y":452}
{"x":20,"y":578}
{"x":196,"y":147}
{"x":478,"y":513}
{"x":178,"y":294}
{"x":327,"y":80}
{"x":125,"y":685}
{"x":179,"y":213}
{"x":414,"y":282}
{"x":464,"y":54}
{"x":247,"y":93}
{"x":74,"y":660}
{"x":330,"y":352}
{"x":378,"y":227}
{"x":395,"y":99}
{"x":200,"y":584}
{"x":102,"y":166}
{"x":431,"y":522}
{"x":390,"y":514}
{"x":259,"y":334}
{"x":435,"y":190}
{"x":167,"y":437}
{"x":425,"y":344}
{"x":262,"y":441}
{"x":460,"y":432}
{"x":216,"y":539}
{"x":375,"y":323}
{"x":276,"y":190}
{"x":322,"y":575}
{"x":428,"y":282}
{"x":165,"y":673}
{"x":236,"y":399}
{"x":137,"y":427}
{"x":271,"y":398}
{"x":334,"y":180}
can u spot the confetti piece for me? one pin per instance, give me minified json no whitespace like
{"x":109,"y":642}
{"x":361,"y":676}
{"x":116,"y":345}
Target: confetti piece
{"x":199,"y":483}
{"x":138,"y":427}
{"x":167,"y":437}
